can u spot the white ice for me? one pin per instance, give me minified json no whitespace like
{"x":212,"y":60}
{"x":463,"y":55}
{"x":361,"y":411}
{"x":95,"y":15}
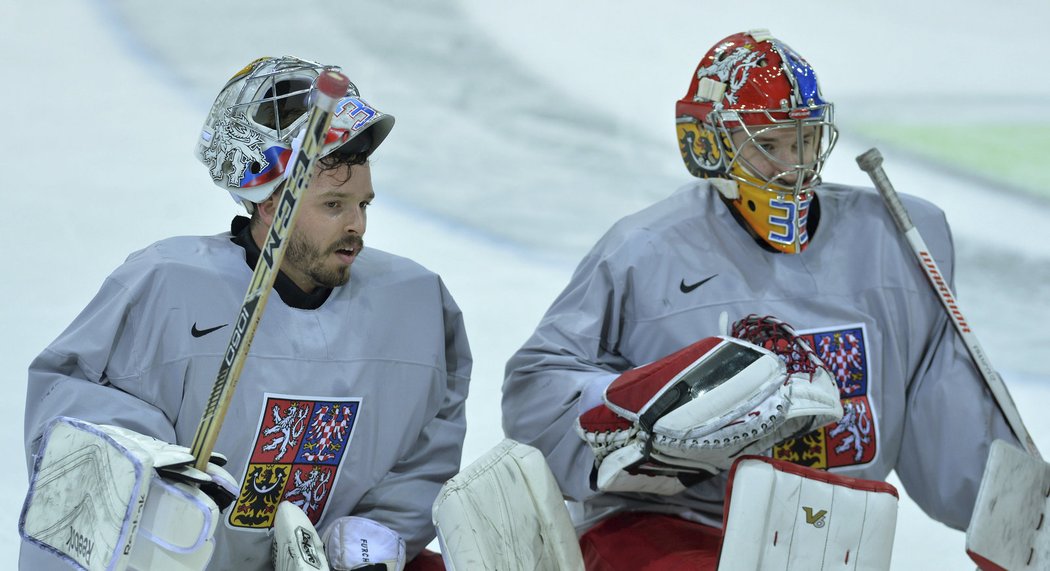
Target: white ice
{"x":524,"y":129}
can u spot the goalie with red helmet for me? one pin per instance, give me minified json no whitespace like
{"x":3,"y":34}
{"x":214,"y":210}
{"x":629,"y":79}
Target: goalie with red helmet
{"x":641,"y":400}
{"x":755,"y":123}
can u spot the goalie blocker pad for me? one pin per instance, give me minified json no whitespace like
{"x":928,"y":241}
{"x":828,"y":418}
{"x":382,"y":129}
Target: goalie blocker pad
{"x":1008,"y":528}
{"x":781,"y":516}
{"x":505,"y":511}
{"x":86,"y":496}
{"x":94,"y":502}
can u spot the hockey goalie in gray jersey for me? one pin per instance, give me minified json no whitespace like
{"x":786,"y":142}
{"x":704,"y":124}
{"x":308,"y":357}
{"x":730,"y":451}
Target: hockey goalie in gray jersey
{"x":350,"y":406}
{"x":758,"y":233}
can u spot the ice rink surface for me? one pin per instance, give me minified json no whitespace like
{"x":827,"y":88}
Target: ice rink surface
{"x":523,"y":131}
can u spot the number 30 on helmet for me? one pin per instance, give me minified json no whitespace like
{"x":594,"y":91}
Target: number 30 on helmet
{"x":754,"y":121}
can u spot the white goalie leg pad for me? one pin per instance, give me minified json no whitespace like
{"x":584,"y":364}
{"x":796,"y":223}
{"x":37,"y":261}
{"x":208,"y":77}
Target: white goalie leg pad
{"x":296,"y":544}
{"x":505,"y":511}
{"x":1007,"y":530}
{"x":86,"y":496}
{"x":781,"y":517}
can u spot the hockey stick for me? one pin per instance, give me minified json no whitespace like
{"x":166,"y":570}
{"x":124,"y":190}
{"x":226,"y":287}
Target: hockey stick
{"x":871,"y":163}
{"x":331,"y":86}
{"x":1006,"y":530}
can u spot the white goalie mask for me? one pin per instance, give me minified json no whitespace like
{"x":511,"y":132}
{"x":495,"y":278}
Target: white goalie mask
{"x":249,"y":134}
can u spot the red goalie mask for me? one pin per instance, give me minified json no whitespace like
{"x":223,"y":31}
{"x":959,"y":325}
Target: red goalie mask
{"x":754,"y":114}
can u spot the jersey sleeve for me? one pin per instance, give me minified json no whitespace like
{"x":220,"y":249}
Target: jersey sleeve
{"x":79,"y":373}
{"x":402,"y":500}
{"x":951,"y":417}
{"x":573,"y":352}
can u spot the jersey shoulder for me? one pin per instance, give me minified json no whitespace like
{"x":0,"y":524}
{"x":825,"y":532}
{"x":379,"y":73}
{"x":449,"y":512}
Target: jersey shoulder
{"x":682,"y":211}
{"x":182,"y":259}
{"x":863,"y":211}
{"x":867,"y":200}
{"x":379,"y":268}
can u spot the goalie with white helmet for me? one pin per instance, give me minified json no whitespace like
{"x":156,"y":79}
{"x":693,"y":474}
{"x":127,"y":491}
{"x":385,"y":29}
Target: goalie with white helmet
{"x":640,"y":396}
{"x":250,"y":133}
{"x":349,"y":409}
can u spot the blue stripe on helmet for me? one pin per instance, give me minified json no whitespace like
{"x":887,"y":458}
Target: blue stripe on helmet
{"x":273,"y":160}
{"x":805,"y":77}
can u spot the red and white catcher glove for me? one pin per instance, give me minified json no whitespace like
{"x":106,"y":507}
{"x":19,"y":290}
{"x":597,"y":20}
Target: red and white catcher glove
{"x":676,"y":421}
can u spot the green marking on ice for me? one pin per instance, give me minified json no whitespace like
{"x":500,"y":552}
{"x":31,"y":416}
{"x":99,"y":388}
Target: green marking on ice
{"x":1013,"y":154}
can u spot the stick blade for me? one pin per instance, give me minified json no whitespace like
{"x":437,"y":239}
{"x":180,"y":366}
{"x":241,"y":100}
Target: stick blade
{"x":1007,"y":530}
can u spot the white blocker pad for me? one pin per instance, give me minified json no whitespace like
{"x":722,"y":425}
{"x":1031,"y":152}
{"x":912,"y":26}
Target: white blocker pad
{"x":781,"y":517}
{"x":86,"y":496}
{"x":504,"y":511}
{"x":94,"y":501}
{"x":1008,"y":528}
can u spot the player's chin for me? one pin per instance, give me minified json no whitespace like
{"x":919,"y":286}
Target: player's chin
{"x":342,"y":277}
{"x":334,"y":275}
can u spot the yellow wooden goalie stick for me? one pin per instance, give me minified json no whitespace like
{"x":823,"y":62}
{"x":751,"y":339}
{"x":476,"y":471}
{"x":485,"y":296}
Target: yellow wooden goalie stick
{"x":331,"y":86}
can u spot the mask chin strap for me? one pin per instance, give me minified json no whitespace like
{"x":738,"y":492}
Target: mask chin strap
{"x":726,"y":187}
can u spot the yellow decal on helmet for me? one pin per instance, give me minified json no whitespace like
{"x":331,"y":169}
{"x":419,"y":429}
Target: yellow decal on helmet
{"x":702,"y":154}
{"x":248,"y":68}
{"x":778,"y":219}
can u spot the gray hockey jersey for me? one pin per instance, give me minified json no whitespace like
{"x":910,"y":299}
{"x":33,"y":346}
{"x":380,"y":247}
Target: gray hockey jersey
{"x":660,"y":279}
{"x":355,"y":407}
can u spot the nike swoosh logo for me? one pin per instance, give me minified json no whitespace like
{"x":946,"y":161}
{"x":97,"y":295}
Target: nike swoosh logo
{"x":202,"y":332}
{"x":688,"y":288}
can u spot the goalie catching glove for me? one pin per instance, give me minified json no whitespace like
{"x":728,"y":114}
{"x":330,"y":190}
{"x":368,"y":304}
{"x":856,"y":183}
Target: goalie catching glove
{"x":105,"y":497}
{"x":679,"y":420}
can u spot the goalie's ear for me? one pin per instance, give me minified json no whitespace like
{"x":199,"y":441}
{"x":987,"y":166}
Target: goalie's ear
{"x":803,"y":518}
{"x":509,"y":492}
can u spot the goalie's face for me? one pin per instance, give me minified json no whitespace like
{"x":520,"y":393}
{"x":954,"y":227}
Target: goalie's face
{"x":776,"y":167}
{"x":330,"y":226}
{"x":778,"y":157}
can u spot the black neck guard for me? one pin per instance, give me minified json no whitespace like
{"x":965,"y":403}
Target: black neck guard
{"x":290,"y":293}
